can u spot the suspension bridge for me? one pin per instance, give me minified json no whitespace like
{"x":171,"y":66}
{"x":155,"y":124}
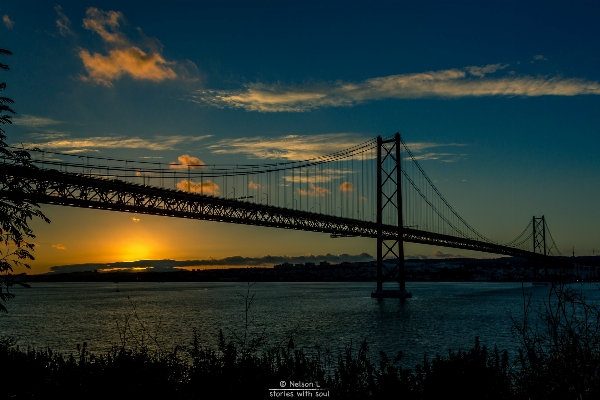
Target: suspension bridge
{"x":376,"y":189}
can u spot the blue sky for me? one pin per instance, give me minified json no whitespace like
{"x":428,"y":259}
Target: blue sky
{"x":515,"y":83}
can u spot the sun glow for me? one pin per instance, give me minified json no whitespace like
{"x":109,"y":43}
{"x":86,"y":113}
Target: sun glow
{"x":136,"y":251}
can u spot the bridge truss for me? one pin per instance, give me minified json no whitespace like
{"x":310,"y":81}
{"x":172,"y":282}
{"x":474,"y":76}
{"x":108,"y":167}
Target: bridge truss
{"x":75,"y":190}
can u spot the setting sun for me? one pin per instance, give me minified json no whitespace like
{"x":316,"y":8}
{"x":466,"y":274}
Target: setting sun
{"x":135,"y":251}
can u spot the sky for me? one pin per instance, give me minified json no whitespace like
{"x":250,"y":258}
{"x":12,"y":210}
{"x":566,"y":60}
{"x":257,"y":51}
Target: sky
{"x":516,"y":84}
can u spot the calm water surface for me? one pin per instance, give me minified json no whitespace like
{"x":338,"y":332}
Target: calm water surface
{"x":330,"y":315}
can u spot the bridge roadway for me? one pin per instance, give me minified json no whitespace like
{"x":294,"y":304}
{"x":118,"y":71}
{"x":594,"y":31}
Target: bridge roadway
{"x":47,"y":186}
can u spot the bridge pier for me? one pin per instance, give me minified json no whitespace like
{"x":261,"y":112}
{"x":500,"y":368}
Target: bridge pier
{"x":389,"y":175}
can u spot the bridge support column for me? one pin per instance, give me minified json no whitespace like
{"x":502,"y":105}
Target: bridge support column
{"x":389,"y":201}
{"x":539,"y":244}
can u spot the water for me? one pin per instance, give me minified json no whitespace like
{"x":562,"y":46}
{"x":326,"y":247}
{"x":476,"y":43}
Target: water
{"x":330,"y":315}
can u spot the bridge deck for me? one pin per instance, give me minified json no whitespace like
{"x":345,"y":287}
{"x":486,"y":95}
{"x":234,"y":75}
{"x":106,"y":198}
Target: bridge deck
{"x":77,"y":190}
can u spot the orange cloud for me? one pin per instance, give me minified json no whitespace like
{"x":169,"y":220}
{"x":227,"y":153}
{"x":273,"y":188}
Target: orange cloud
{"x":186,"y":161}
{"x":98,"y":21}
{"x":59,"y":246}
{"x":315,"y":191}
{"x":209,"y":187}
{"x":347,"y":187}
{"x":123,"y":58}
{"x":253,"y":185}
{"x":8,"y":22}
{"x":131,"y":61}
{"x":63,"y":23}
{"x":134,"y":219}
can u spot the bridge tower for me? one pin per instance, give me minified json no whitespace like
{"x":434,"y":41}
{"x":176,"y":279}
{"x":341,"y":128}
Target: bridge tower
{"x":539,"y":235}
{"x":539,"y":241}
{"x":389,"y":202}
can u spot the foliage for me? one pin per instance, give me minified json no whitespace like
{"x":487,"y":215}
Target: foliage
{"x":559,"y":356}
{"x":193,"y":372}
{"x":16,"y":209}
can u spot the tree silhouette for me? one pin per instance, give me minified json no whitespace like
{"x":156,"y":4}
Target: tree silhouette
{"x":16,"y":209}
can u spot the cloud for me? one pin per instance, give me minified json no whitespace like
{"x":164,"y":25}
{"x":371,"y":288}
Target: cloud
{"x":115,"y":142}
{"x":325,"y":175}
{"x":33,"y":121}
{"x":48,"y":135}
{"x":63,"y":23}
{"x":7,"y":21}
{"x":131,"y":61}
{"x":59,"y":246}
{"x":540,"y":57}
{"x":305,"y":147}
{"x":315,"y":191}
{"x":288,"y":147}
{"x":100,"y":22}
{"x":487,"y":69}
{"x":233,"y":261}
{"x":347,"y":187}
{"x":444,"y":157}
{"x":253,"y":185}
{"x":124,"y":58}
{"x":207,"y":187}
{"x":186,"y":161}
{"x":439,"y":254}
{"x":470,"y":81}
{"x":134,"y":219}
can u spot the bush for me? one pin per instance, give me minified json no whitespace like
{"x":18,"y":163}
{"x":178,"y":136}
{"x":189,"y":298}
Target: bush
{"x":559,"y":356}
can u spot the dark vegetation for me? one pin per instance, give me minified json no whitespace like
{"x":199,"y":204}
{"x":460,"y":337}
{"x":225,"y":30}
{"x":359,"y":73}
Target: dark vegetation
{"x":16,"y":209}
{"x":559,"y":358}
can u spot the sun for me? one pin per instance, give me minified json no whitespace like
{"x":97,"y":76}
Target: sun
{"x":136,"y":251}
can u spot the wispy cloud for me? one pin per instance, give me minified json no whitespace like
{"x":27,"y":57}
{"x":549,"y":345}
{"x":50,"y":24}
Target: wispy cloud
{"x":472,"y":81}
{"x":134,"y":219}
{"x":7,"y":21}
{"x":59,"y":246}
{"x":444,"y":157}
{"x":324,"y":175}
{"x":124,"y":58}
{"x":33,"y":121}
{"x":48,"y":135}
{"x":114,"y":142}
{"x":314,"y":191}
{"x":480,"y":72}
{"x":63,"y":23}
{"x":288,"y":147}
{"x":304,"y":147}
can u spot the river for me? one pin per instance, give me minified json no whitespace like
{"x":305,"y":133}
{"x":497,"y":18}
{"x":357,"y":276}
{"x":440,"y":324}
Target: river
{"x":439,"y":316}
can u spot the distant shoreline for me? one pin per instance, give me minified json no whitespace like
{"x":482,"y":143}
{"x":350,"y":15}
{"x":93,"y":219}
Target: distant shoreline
{"x":507,"y":269}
